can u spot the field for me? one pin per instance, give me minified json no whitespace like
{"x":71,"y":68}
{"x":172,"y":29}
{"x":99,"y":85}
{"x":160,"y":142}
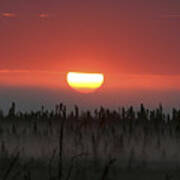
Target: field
{"x":104,"y":144}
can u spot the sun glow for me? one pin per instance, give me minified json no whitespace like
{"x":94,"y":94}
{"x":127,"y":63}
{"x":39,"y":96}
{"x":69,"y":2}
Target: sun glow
{"x":85,"y":82}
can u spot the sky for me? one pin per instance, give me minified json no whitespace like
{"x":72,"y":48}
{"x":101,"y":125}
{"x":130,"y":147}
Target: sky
{"x":134,"y":43}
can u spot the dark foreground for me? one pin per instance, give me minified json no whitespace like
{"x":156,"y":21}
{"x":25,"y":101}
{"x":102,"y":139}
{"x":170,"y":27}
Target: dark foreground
{"x":104,"y":144}
{"x":80,"y":170}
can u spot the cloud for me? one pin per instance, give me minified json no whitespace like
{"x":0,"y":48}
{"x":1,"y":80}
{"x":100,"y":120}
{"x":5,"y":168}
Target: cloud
{"x":8,"y":14}
{"x":13,"y":71}
{"x":6,"y":71}
{"x":12,"y":15}
{"x":171,"y":16}
{"x":43,"y":15}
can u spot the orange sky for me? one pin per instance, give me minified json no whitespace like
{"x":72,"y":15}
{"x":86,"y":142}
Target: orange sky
{"x":134,"y":43}
{"x":123,"y":36}
{"x":113,"y":82}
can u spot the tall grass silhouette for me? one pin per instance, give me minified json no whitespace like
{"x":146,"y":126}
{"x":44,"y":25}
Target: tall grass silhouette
{"x":101,"y":144}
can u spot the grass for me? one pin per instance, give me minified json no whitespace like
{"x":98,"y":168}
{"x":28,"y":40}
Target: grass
{"x":104,"y":144}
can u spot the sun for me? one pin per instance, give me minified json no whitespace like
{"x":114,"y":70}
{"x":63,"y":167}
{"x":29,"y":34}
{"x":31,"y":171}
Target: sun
{"x":85,"y":82}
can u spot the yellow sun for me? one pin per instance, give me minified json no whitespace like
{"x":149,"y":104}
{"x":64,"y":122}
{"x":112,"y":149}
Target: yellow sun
{"x":85,"y":82}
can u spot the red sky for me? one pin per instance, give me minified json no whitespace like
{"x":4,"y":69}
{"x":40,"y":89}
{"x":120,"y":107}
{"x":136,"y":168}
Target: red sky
{"x":134,"y":43}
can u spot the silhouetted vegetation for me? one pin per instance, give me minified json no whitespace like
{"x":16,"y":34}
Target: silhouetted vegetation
{"x":100,"y":144}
